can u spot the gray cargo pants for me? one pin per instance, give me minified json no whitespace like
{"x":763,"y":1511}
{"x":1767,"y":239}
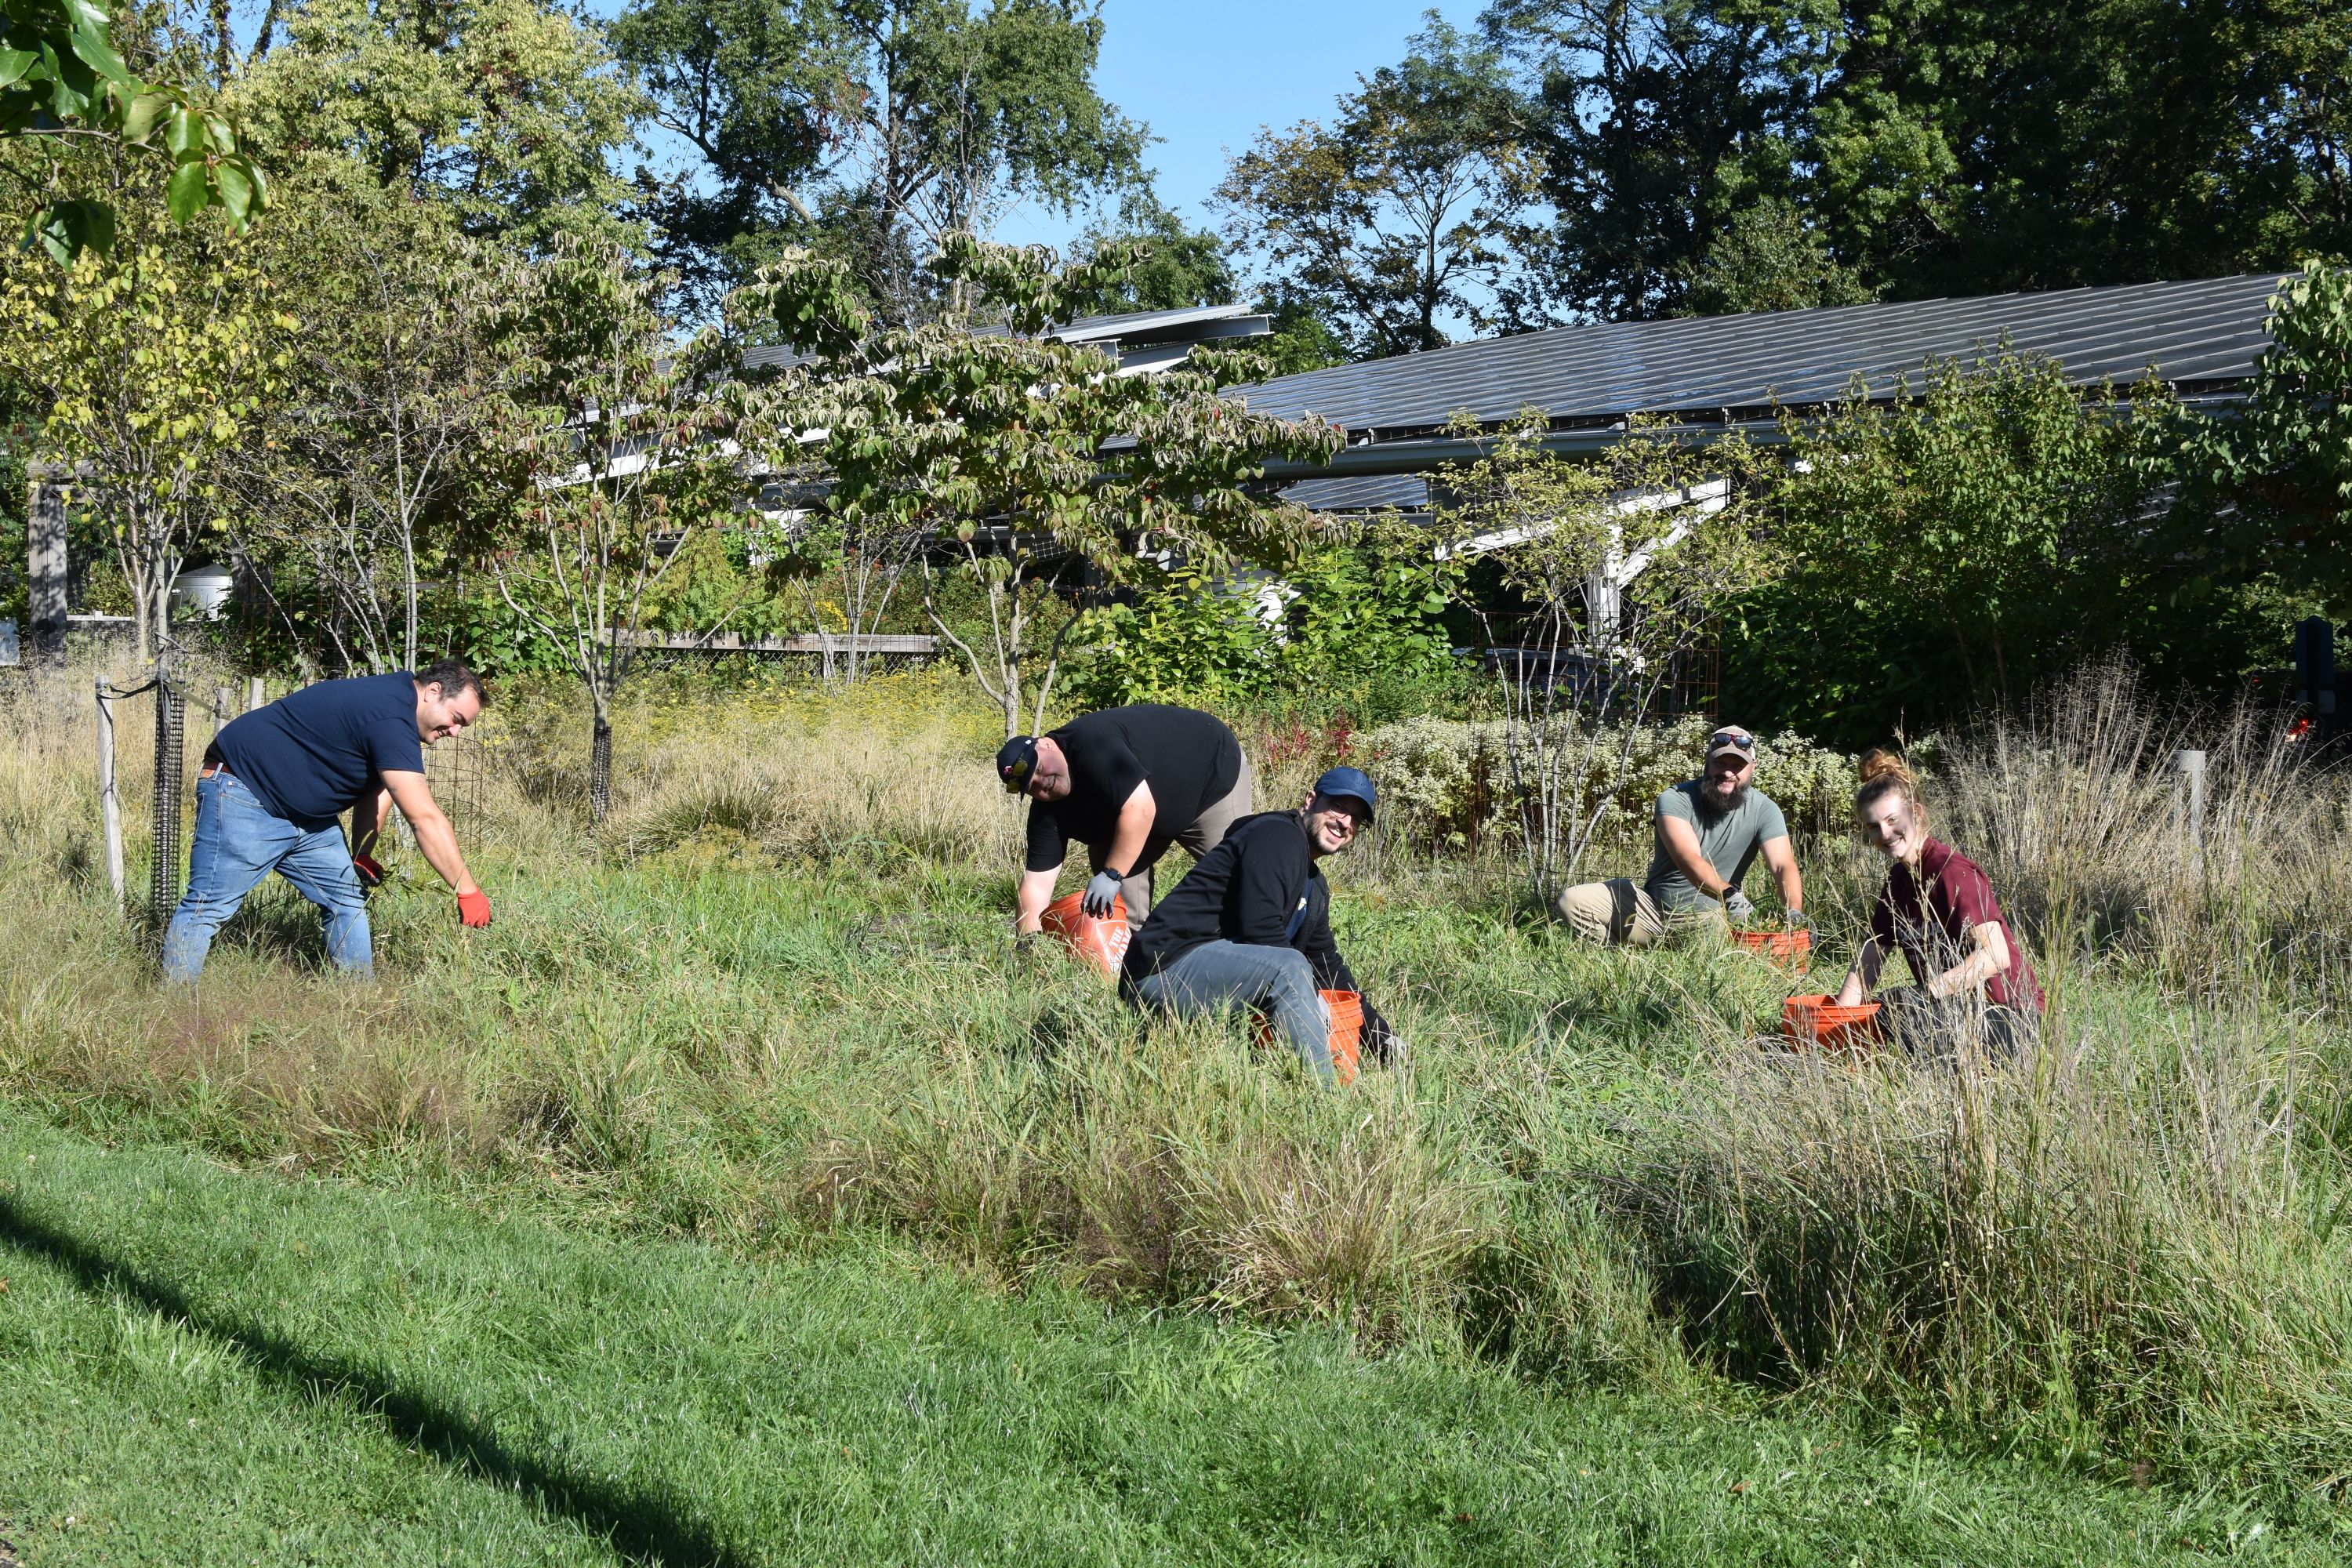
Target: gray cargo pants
{"x":1208,"y":830}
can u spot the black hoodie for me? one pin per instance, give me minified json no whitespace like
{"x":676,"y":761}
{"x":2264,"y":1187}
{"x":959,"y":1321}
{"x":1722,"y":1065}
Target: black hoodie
{"x":1260,"y":886}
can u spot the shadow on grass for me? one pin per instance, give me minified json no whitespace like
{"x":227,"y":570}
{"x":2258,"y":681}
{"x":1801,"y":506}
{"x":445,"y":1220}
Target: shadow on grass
{"x":641,"y":1528}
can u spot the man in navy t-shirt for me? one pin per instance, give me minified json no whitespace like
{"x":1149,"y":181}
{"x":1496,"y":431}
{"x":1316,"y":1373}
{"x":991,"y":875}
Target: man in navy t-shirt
{"x":276,"y":780}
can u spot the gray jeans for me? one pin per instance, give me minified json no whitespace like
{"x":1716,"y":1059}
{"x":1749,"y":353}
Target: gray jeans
{"x":1218,"y":976}
{"x":1207,"y":831}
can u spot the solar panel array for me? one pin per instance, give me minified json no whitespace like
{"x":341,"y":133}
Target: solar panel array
{"x":2200,"y":336}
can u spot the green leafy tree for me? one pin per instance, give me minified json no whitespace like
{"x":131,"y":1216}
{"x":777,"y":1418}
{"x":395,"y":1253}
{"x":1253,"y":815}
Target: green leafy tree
{"x":1955,"y":548}
{"x":1399,"y":218}
{"x":1768,"y":257}
{"x":627,"y":433}
{"x":174,"y":352}
{"x":1029,"y":461}
{"x":1655,"y":122}
{"x":506,"y":111}
{"x":2005,"y":144}
{"x":61,"y":80}
{"x":2271,"y":479}
{"x":872,"y":129}
{"x":1181,"y":265}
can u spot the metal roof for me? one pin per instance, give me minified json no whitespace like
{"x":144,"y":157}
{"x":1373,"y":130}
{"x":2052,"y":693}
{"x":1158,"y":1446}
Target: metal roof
{"x":1142,"y":341}
{"x":1371,"y":492}
{"x":1136,"y":326}
{"x":2200,"y":336}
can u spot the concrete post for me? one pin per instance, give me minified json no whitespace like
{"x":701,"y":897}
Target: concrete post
{"x":45,"y":564}
{"x":2191,"y":767}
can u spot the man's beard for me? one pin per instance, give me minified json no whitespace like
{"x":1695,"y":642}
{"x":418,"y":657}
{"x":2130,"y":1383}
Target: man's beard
{"x":1723,"y":806}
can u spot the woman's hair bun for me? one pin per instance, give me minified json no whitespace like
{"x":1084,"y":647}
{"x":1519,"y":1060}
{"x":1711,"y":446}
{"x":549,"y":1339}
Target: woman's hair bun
{"x":1882,"y":765}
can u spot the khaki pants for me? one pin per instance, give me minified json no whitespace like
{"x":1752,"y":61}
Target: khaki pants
{"x":1621,"y":910}
{"x":1208,"y":830}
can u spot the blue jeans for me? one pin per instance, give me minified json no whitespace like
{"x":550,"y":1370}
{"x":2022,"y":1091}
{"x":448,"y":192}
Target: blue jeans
{"x":238,"y":842}
{"x":1218,"y":975}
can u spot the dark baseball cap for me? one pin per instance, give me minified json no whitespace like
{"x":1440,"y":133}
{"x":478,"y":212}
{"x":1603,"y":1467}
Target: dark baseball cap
{"x":1349,"y":784}
{"x":1016,"y":760}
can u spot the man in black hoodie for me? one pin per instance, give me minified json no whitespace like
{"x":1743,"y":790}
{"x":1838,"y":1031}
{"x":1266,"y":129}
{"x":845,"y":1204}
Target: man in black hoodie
{"x":1251,"y":925}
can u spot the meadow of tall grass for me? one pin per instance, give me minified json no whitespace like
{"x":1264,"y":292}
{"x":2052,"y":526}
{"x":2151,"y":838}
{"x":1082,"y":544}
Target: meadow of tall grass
{"x":772,"y":997}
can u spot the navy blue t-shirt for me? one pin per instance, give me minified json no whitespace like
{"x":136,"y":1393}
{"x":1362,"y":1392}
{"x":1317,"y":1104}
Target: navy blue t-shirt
{"x":312,"y":755}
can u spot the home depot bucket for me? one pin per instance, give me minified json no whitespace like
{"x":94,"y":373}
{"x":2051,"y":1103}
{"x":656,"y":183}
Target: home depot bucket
{"x":1101,"y":942}
{"x":1791,"y":950}
{"x":1347,"y":1010}
{"x":1817,"y":1021}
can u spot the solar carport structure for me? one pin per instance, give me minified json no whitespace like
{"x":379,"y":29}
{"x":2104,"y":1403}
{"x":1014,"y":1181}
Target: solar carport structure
{"x":1720,"y":373}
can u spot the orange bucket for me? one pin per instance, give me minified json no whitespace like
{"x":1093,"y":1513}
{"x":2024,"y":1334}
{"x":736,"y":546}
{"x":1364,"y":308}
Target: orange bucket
{"x":1347,"y":1032}
{"x":1101,"y":942}
{"x":1791,"y":950}
{"x":1819,"y":1022}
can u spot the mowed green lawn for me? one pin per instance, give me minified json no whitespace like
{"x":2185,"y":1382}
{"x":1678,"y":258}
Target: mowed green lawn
{"x":199,"y":1365}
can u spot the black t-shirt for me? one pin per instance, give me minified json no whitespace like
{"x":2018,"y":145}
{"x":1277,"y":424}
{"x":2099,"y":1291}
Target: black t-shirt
{"x":312,"y":755}
{"x":1260,"y":886}
{"x":1189,"y":759}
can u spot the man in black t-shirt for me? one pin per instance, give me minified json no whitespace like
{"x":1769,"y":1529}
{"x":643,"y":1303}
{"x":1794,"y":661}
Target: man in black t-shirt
{"x":1126,"y":782}
{"x":1252,"y":926}
{"x":275,"y":782}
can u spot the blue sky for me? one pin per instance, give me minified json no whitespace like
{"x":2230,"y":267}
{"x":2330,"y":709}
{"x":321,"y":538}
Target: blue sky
{"x":1205,"y":74}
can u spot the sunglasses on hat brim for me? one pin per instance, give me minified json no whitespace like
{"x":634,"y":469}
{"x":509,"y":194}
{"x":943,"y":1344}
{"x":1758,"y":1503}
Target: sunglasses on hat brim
{"x":1730,"y":740}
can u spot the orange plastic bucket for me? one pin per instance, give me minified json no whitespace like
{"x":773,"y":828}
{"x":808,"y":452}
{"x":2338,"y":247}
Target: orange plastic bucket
{"x":1819,"y":1022}
{"x":1347,"y":1008}
{"x":1791,"y":950}
{"x":1101,"y":942}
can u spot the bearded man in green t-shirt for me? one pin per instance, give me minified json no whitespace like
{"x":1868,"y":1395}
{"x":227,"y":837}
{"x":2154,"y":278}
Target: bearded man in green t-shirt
{"x":1709,"y":831}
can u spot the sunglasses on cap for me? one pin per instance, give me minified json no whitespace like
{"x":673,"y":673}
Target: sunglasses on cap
{"x":1731,"y":739}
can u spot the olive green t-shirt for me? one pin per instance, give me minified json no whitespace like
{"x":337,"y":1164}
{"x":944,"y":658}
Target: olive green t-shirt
{"x":1728,"y":839}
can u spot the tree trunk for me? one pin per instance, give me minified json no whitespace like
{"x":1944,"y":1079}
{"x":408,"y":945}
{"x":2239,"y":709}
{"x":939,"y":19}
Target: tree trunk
{"x":599,"y":767}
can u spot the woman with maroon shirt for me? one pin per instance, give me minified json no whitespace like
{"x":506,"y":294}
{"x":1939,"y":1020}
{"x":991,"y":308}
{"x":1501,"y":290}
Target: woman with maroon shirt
{"x":1973,"y":981}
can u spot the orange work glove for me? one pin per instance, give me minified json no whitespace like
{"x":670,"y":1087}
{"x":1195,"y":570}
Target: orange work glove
{"x":474,"y":908}
{"x":371,"y":874}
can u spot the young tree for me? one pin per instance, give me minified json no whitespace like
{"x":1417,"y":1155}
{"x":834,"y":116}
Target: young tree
{"x":172,"y":352}
{"x":1623,"y":563}
{"x":384,"y":439}
{"x":1025,"y":460}
{"x":1402,"y":215}
{"x":627,"y":433}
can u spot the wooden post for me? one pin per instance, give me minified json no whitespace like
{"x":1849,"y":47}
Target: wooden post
{"x":252,"y":694}
{"x":110,"y":803}
{"x":220,"y":708}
